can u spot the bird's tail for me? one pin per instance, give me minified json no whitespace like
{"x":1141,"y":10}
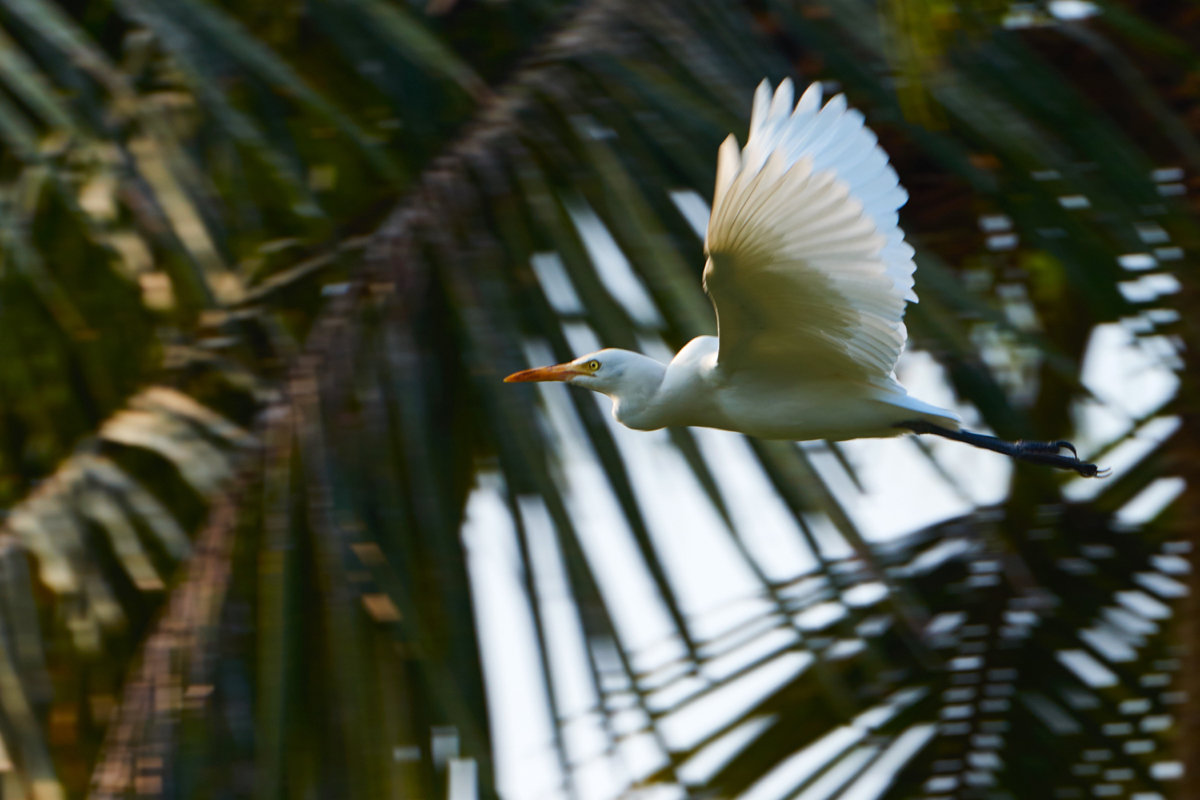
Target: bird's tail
{"x":919,"y":409}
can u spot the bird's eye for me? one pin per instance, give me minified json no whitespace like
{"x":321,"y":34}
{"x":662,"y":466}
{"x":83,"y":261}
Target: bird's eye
{"x":593,"y":365}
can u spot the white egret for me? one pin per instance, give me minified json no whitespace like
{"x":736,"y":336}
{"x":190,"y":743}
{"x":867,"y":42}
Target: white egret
{"x":810,"y":275}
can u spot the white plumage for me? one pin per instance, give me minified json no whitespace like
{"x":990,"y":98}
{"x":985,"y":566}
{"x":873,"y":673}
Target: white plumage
{"x":804,"y":235}
{"x":810,"y":275}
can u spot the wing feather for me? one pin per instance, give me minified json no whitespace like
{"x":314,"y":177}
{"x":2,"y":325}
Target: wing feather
{"x":808,"y":267}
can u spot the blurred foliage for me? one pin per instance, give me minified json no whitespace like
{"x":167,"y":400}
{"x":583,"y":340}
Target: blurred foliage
{"x":263,"y":265}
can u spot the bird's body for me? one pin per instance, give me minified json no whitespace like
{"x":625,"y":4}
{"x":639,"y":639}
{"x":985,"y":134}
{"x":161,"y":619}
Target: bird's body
{"x":692,"y":390}
{"x":810,"y":275}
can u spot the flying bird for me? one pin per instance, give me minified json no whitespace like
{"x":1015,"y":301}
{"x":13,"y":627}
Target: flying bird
{"x":809,"y":273}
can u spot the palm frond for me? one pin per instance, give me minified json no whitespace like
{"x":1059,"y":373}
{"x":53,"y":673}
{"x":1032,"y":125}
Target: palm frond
{"x":336,"y":626}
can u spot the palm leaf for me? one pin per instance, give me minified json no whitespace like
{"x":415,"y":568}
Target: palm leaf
{"x":333,"y":628}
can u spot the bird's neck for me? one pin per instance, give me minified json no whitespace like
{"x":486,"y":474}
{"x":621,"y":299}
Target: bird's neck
{"x":635,"y":401}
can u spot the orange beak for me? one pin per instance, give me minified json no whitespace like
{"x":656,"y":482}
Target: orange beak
{"x":558,"y":372}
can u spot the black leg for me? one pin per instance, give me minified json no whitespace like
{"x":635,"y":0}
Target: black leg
{"x":1046,"y":453}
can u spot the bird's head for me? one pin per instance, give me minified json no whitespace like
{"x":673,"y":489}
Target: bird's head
{"x":590,"y":371}
{"x":608,"y":371}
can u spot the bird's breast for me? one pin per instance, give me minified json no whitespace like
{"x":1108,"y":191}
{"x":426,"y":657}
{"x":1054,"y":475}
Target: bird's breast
{"x":833,"y":410}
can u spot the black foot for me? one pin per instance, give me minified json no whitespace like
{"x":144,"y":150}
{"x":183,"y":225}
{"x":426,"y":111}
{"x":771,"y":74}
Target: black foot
{"x":1049,"y":454}
{"x":1046,"y":447}
{"x":1046,"y":453}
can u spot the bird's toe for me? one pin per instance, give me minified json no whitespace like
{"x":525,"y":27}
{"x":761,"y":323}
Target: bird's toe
{"x":1091,"y":470}
{"x":1047,"y":448}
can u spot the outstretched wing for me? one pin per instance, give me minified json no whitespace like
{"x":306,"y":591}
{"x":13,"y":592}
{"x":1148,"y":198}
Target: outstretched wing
{"x":808,"y":267}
